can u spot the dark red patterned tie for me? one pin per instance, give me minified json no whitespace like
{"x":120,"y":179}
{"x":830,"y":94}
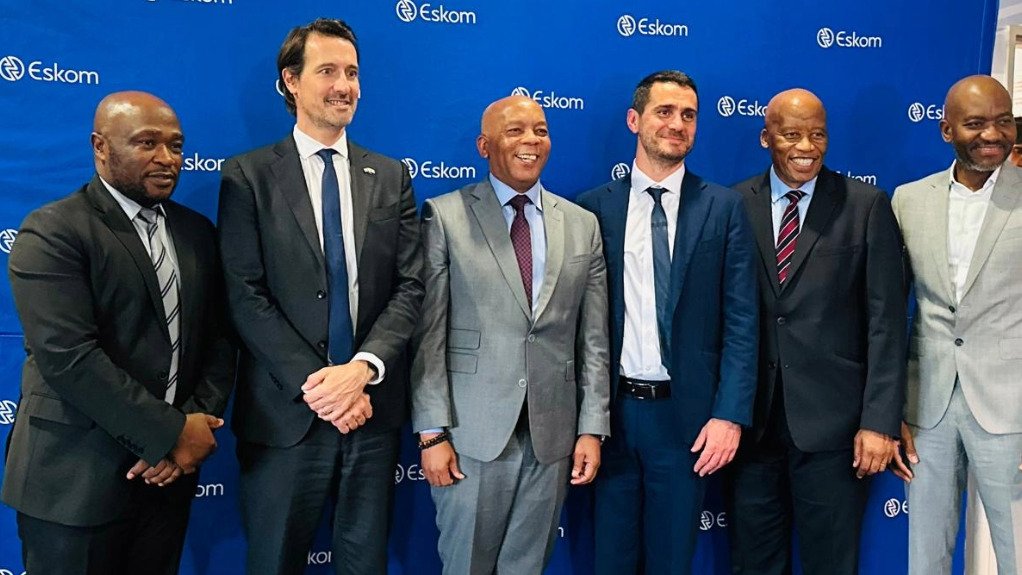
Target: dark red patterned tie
{"x":788,"y":234}
{"x":521,"y":239}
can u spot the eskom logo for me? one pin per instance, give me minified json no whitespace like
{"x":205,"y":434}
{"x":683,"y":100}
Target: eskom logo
{"x":894,"y":507}
{"x":407,"y":11}
{"x":728,"y":106}
{"x":7,"y":238}
{"x":437,"y":170}
{"x":620,"y":170}
{"x":209,"y":490}
{"x":13,"y":69}
{"x":708,"y":520}
{"x":551,"y":99}
{"x":320,"y":557}
{"x":8,"y":409}
{"x":826,"y":38}
{"x":196,"y":163}
{"x":412,"y":473}
{"x":628,"y":25}
{"x":917,"y":112}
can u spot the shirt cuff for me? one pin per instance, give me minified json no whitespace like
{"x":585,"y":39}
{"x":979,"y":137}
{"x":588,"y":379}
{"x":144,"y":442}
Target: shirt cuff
{"x":373,"y":361}
{"x":434,"y":430}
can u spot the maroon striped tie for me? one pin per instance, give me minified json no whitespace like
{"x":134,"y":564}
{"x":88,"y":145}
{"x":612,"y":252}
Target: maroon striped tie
{"x":788,"y":234}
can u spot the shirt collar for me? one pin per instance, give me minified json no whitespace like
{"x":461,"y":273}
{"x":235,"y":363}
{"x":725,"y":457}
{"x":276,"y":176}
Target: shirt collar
{"x":131,"y":207}
{"x":307,"y":146}
{"x":671,"y":184}
{"x":779,"y":188}
{"x":985,"y":190}
{"x":505,"y":192}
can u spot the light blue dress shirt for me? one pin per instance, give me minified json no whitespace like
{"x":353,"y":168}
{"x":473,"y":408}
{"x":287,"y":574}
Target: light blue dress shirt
{"x":778,"y":202}
{"x":534,"y":214}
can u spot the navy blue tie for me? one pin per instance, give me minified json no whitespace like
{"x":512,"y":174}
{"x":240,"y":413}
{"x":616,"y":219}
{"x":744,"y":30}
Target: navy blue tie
{"x":339,"y":331}
{"x":661,"y":270}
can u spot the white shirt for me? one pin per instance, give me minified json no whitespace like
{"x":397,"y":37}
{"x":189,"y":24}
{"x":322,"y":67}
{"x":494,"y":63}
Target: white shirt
{"x":965,"y":212}
{"x":312,"y":168}
{"x":640,"y":346}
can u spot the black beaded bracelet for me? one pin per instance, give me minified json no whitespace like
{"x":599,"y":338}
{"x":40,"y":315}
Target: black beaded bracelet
{"x":436,"y":440}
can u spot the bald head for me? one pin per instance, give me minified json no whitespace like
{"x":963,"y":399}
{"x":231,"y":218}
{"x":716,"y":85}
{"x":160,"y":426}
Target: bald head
{"x":978,"y":124}
{"x":515,"y":139}
{"x":797,"y":102}
{"x":136,"y":145}
{"x":795,"y":132}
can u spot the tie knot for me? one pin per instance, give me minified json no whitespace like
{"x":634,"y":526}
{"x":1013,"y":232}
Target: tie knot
{"x":518,"y":203}
{"x":794,"y":196}
{"x":657,"y":192}
{"x":148,"y":215}
{"x":327,"y":154}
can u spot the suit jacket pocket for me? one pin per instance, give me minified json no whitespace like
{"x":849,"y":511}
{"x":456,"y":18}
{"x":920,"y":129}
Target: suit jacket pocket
{"x":462,"y":362}
{"x":381,"y":213}
{"x":463,"y":339}
{"x":1011,"y":348}
{"x":54,"y":409}
{"x":569,"y":370}
{"x":836,"y":250}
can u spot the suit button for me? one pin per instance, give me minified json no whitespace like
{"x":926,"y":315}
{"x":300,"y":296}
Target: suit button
{"x":321,"y":345}
{"x":959,"y":342}
{"x":321,"y":294}
{"x":163,"y":376}
{"x":951,"y":308}
{"x":522,"y":383}
{"x":782,"y":320}
{"x":771,"y":365}
{"x":531,"y":338}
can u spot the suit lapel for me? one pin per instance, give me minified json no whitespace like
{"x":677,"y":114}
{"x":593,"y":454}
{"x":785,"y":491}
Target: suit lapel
{"x":762,"y":219}
{"x":825,"y":199}
{"x":487,"y":211}
{"x":936,"y":232}
{"x":693,"y":211}
{"x":289,"y":181}
{"x":184,"y":252}
{"x":553,"y":222}
{"x":614,"y":209}
{"x":363,"y":184}
{"x":1004,"y":198}
{"x":116,"y":220}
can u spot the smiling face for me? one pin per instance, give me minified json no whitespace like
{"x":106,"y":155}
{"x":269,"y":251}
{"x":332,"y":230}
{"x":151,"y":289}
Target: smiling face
{"x":796,"y":135}
{"x":326,"y":89}
{"x":137,"y":145}
{"x":979,"y":125}
{"x":666,"y":126}
{"x":515,"y":140}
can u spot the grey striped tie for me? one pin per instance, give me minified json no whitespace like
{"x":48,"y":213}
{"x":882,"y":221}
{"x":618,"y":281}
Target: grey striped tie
{"x":167,"y":276}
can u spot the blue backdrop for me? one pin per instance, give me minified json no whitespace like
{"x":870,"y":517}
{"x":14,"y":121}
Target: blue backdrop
{"x":428,"y":69}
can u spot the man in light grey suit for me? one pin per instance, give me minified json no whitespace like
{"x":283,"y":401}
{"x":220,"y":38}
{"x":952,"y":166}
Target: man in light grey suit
{"x":963,"y":233}
{"x":509,"y":381}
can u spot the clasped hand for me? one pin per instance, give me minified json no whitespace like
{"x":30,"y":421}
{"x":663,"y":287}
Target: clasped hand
{"x":336,"y":394}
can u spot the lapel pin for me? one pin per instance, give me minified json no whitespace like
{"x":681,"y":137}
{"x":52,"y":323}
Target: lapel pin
{"x":369,"y":171}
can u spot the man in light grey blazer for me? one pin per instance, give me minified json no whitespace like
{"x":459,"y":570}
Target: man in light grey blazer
{"x":509,"y":380}
{"x":963,"y":234}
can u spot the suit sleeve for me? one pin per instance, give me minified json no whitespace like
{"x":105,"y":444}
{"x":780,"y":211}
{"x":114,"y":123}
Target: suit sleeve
{"x":219,"y":351}
{"x":49,"y":275}
{"x":739,"y":350}
{"x":260,"y":323}
{"x":388,"y":338}
{"x":592,"y":345}
{"x":884,"y":395}
{"x":431,"y":388}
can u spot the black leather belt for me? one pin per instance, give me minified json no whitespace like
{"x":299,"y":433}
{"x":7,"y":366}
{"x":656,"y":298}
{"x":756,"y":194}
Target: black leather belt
{"x":644,"y":389}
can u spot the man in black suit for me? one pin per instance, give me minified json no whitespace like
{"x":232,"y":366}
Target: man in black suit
{"x":832,"y":343}
{"x":119,"y":294}
{"x":321,"y":257}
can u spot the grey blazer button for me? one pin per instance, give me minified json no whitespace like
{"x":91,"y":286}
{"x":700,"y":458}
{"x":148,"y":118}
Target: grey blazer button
{"x":531,"y":338}
{"x":951,"y":308}
{"x":522,"y":383}
{"x":959,"y":342}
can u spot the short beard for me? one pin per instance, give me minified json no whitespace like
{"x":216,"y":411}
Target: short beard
{"x":964,"y":161}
